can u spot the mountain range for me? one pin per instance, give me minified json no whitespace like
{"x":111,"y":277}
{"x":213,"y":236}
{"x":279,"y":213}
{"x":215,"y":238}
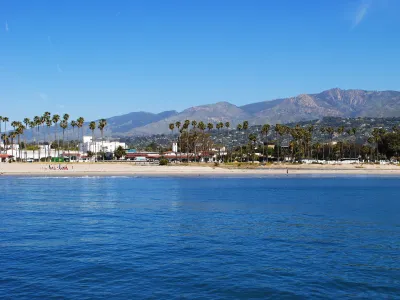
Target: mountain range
{"x":334,"y":102}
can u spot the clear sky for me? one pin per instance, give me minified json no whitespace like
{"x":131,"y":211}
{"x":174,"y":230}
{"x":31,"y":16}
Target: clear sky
{"x":104,"y":58}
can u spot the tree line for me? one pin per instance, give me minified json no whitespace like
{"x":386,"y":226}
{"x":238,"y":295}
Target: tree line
{"x":301,"y":142}
{"x":40,"y":136}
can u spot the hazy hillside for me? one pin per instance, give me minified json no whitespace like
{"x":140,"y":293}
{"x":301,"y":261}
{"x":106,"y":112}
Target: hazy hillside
{"x":330,"y":103}
{"x":304,"y":107}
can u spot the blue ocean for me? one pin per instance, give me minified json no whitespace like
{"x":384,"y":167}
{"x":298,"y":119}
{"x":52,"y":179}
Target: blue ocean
{"x":199,"y":238}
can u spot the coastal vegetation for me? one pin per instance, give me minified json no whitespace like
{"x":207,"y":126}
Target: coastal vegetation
{"x":39,"y":128}
{"x":326,"y":139}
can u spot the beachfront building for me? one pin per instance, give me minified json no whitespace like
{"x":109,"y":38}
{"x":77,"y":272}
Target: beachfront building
{"x":43,"y":151}
{"x":99,"y":145}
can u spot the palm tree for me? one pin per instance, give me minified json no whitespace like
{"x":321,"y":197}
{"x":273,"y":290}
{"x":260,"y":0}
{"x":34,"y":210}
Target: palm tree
{"x":202,"y":127}
{"x":47,"y":120}
{"x":32,"y":126}
{"x":63,"y":125}
{"x":80,"y":122}
{"x":5,"y":120}
{"x":239,"y":128}
{"x":12,"y":136}
{"x":194,"y":125}
{"x":186,"y":126}
{"x":1,"y":120}
{"x":245,"y":126}
{"x":4,"y":138}
{"x":278,"y":130}
{"x":377,"y":134}
{"x":55,"y":120}
{"x":65,"y":119}
{"x":323,"y":130}
{"x":264,"y":131}
{"x":37,"y":120}
{"x":14,"y":124}
{"x":179,"y":144}
{"x":49,"y":123}
{"x":354,"y":131}
{"x":252,"y":140}
{"x":26,"y":122}
{"x":92,"y":127}
{"x":102,"y":124}
{"x":73,"y":124}
{"x":219,"y":125}
{"x":330,"y":131}
{"x":340,"y":131}
{"x":19,"y":132}
{"x":227,"y":125}
{"x":172,"y":127}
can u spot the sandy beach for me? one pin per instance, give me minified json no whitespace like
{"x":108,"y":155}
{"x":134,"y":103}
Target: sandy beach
{"x":127,"y":169}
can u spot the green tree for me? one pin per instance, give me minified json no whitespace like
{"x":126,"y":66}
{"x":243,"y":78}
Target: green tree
{"x":119,"y":152}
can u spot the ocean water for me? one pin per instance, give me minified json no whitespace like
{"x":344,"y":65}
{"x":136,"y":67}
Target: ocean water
{"x":199,"y":238}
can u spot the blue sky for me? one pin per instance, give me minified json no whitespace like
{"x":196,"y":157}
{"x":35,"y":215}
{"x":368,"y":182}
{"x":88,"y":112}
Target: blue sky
{"x":103,"y":58}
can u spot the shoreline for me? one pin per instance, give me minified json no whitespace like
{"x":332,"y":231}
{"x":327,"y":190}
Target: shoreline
{"x":128,"y":170}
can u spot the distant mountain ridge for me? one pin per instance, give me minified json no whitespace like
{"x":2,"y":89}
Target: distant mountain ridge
{"x":334,"y":102}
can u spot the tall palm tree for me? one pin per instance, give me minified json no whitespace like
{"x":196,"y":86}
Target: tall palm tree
{"x":219,"y":126}
{"x":1,"y":120}
{"x":354,"y":132}
{"x":194,"y":125}
{"x":323,"y":130}
{"x":19,"y":132}
{"x":178,"y":125}
{"x":202,"y":127}
{"x":252,"y":140}
{"x":102,"y":124}
{"x":32,"y":126}
{"x":46,"y":120}
{"x":245,"y":126}
{"x":186,"y":127}
{"x":340,"y":131}
{"x":80,"y":122}
{"x":278,"y":130}
{"x":172,"y":127}
{"x":4,"y":138}
{"x":73,"y":125}
{"x":264,"y":131}
{"x":65,"y":119}
{"x":12,"y":136}
{"x":5,"y":121}
{"x":377,"y":134}
{"x":55,"y":120}
{"x":14,"y":124}
{"x":26,"y":121}
{"x":92,"y":127}
{"x":37,"y":120}
{"x":330,"y":131}
{"x":239,"y":128}
{"x":63,"y":125}
{"x":227,"y":125}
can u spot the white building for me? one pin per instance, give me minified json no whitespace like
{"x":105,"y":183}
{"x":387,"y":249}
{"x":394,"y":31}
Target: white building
{"x":98,"y":145}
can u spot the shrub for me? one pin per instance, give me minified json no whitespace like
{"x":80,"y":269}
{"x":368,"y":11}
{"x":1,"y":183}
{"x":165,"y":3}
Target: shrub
{"x":216,"y":164}
{"x":163,"y":162}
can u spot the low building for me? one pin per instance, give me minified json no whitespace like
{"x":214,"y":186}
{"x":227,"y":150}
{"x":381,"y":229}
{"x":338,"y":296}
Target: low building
{"x":99,"y":145}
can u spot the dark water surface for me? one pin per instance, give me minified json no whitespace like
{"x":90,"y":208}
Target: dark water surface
{"x":199,"y":238}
